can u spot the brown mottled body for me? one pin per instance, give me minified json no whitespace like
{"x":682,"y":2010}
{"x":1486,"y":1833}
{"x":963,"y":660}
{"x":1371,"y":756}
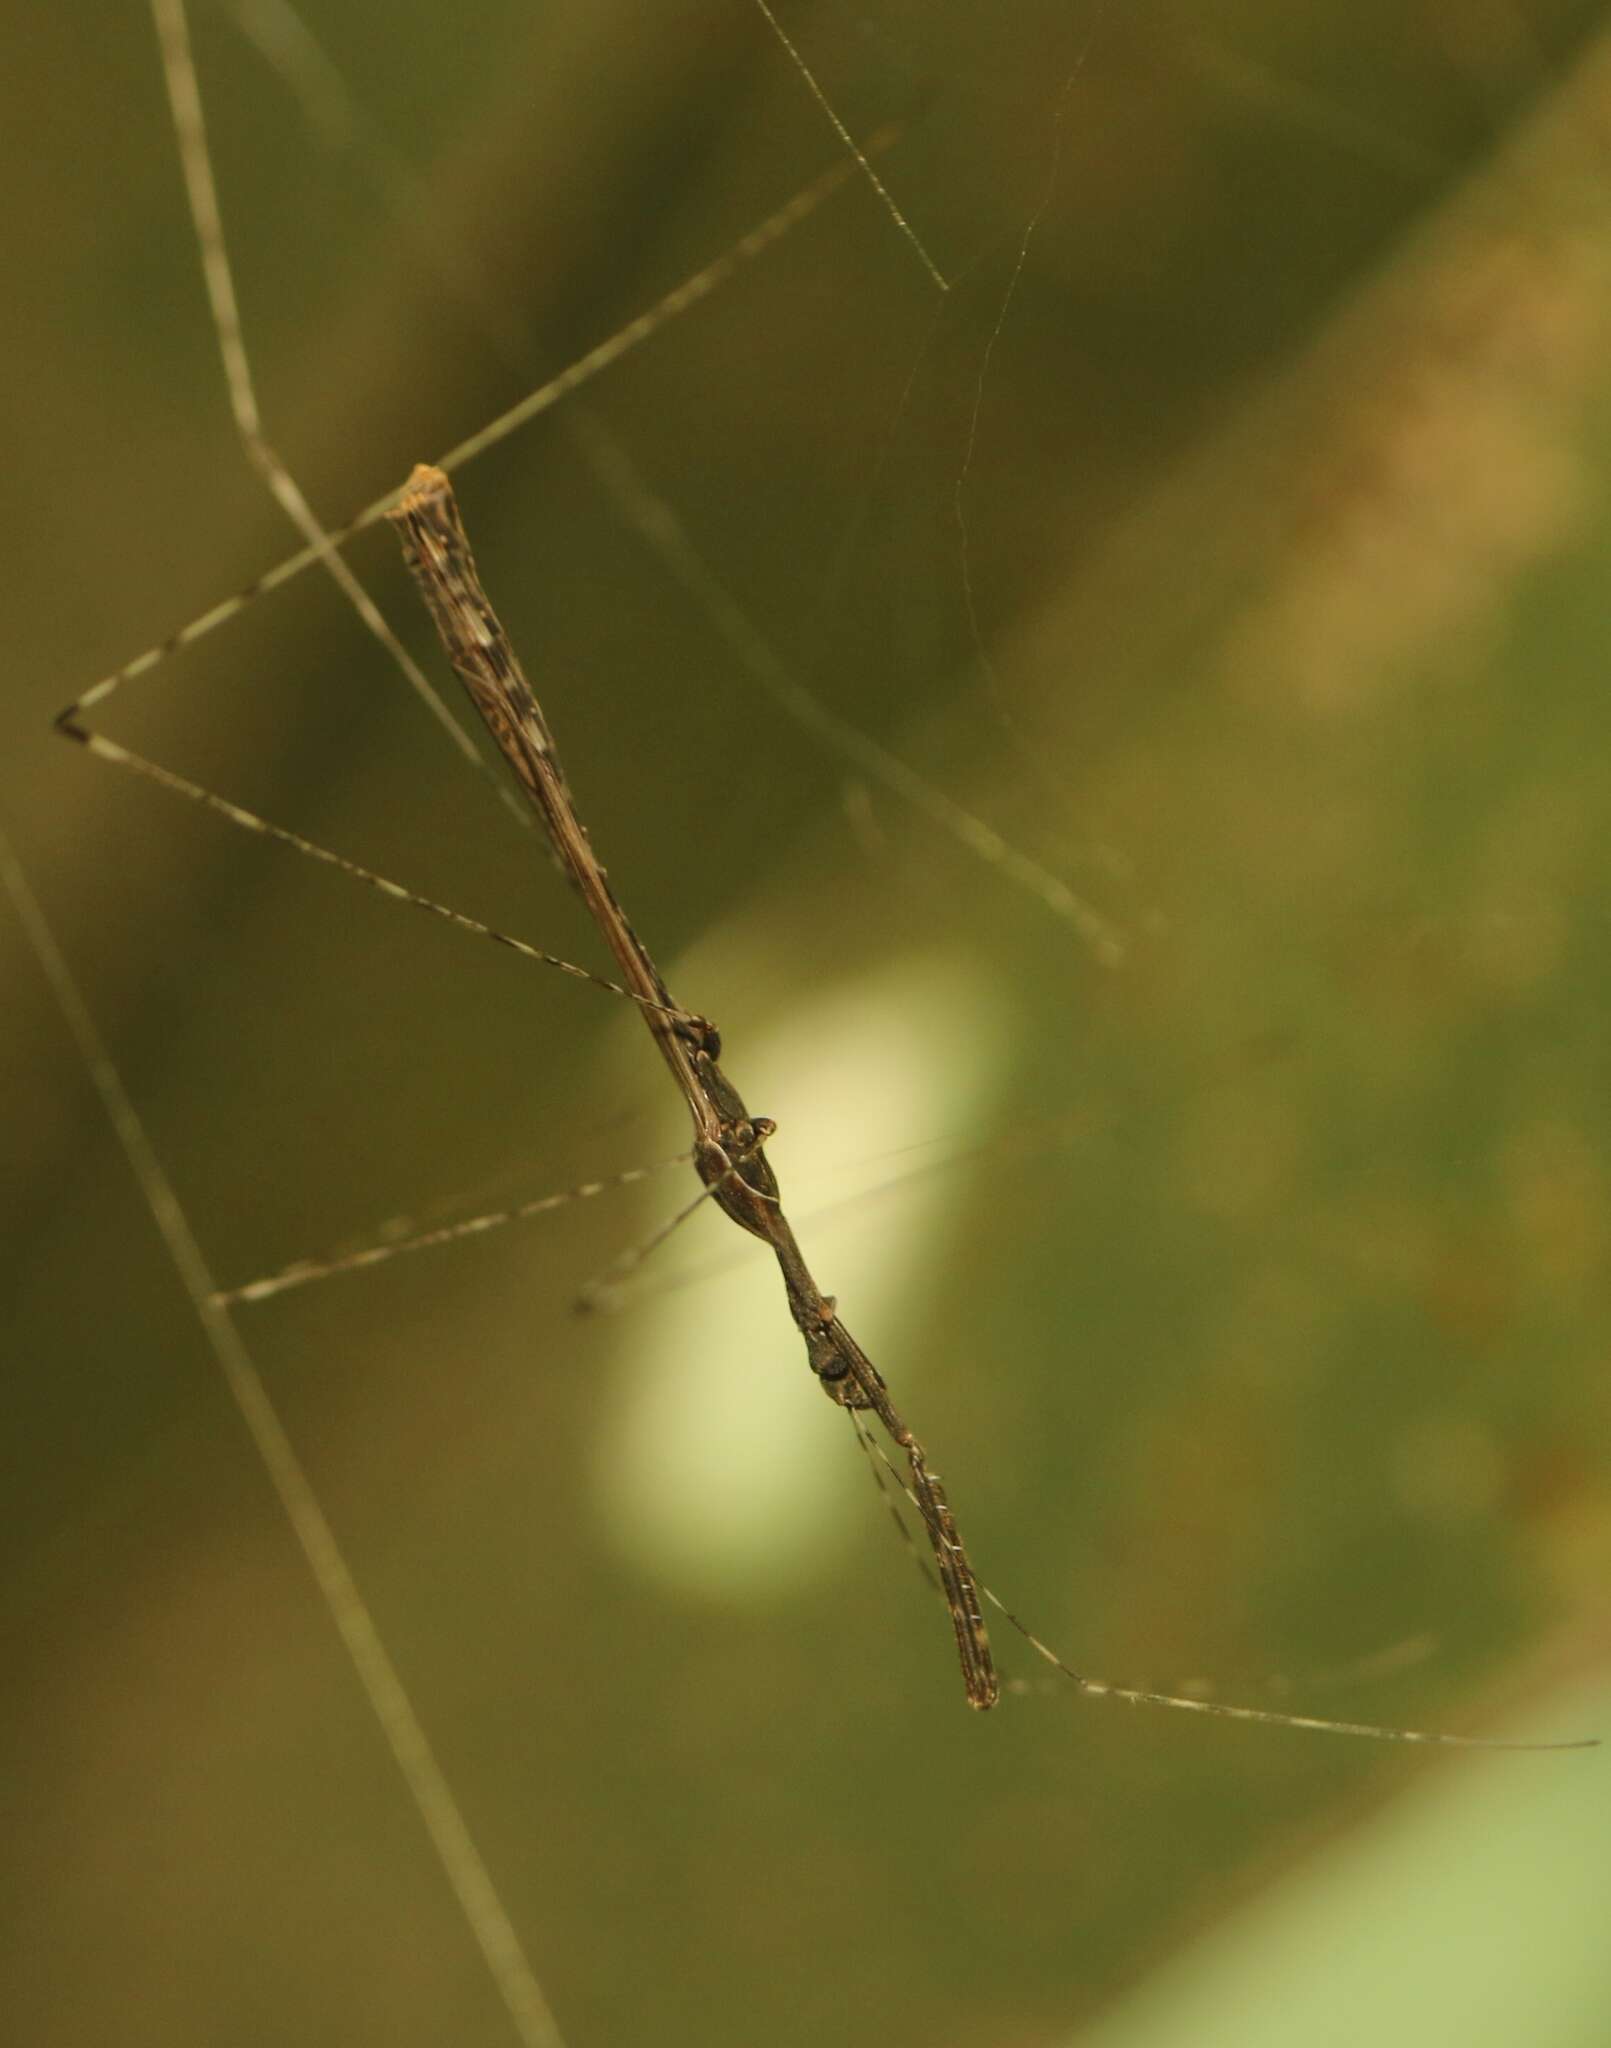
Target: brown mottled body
{"x":729,"y":1144}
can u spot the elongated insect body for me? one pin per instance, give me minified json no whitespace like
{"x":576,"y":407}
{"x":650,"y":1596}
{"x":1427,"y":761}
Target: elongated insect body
{"x":729,"y":1143}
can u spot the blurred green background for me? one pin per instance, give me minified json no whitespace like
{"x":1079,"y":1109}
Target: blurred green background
{"x":1250,"y":1294}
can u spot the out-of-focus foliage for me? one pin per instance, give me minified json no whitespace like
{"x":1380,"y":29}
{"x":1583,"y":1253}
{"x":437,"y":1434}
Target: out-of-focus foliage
{"x":1232,"y":539}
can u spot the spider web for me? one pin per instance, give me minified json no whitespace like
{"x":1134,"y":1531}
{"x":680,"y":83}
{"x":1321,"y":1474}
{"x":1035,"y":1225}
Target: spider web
{"x":1141,"y":1432}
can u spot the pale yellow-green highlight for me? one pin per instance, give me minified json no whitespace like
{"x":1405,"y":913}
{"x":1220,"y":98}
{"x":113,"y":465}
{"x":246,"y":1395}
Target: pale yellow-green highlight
{"x":1477,"y":1910}
{"x":722,"y":1468}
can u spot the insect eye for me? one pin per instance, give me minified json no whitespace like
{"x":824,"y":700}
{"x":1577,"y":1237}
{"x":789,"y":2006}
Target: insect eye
{"x":700,"y":1033}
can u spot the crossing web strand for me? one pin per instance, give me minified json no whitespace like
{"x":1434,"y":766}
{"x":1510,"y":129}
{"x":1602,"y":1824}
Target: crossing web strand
{"x":329,"y":107}
{"x":601,"y":1292}
{"x":890,"y":1494}
{"x":446,"y":1445}
{"x":190,"y":131}
{"x":248,"y":821}
{"x":287,"y":41}
{"x":857,"y":155}
{"x":658,"y":522}
{"x":959,"y":498}
{"x":305,"y":1271}
{"x":405,"y":1238}
{"x":653,"y":517}
{"x":674,"y":303}
{"x":1185,"y":1703}
{"x":470,"y":1880}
